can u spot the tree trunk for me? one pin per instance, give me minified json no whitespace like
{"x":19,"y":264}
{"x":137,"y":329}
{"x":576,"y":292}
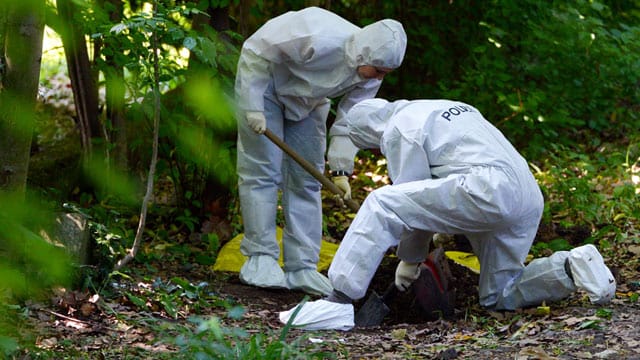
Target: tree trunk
{"x":244,"y":17}
{"x":115,"y":99}
{"x":85,"y":93}
{"x":4,"y":17}
{"x":22,"y":52}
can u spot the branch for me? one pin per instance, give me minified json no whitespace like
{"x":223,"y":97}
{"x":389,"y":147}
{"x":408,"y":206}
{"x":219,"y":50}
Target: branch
{"x":154,"y":157}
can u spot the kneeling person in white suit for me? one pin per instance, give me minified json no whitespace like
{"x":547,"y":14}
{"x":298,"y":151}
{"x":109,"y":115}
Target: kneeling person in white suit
{"x":452,"y":172}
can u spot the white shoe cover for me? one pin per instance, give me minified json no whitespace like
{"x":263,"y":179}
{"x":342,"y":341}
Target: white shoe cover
{"x":321,"y":315}
{"x":263,"y":271}
{"x":591,"y":274}
{"x":309,"y":281}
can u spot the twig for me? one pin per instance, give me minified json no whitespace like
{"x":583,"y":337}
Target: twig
{"x":66,"y":317}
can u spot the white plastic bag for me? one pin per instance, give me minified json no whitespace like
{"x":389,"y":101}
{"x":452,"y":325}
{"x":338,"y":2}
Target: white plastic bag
{"x":321,"y":315}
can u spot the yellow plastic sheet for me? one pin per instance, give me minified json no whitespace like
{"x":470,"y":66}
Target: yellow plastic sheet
{"x":231,"y":259}
{"x":468,"y":260}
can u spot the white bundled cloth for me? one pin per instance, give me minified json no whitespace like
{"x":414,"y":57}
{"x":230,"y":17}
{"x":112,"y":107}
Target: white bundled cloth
{"x":321,"y":315}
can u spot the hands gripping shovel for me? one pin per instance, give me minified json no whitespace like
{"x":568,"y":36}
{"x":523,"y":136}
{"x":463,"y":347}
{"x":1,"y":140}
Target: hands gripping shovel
{"x":310,"y":169}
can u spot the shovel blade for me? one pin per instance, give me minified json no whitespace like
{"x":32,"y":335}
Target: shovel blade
{"x":372,"y":312}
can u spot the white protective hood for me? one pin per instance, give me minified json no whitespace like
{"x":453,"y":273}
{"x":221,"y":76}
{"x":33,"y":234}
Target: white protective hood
{"x":380,"y":44}
{"x":366,"y":122}
{"x":368,"y":119}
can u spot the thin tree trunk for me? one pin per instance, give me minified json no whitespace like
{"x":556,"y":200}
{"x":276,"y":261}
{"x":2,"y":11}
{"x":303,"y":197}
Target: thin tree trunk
{"x":137,"y":241}
{"x":4,"y":18}
{"x":243,"y":17}
{"x":115,"y":99}
{"x":22,"y":54}
{"x":85,"y":93}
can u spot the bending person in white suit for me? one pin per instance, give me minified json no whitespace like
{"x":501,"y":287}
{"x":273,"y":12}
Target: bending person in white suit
{"x":452,"y":172}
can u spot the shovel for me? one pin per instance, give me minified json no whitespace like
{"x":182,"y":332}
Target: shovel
{"x":311,"y":169}
{"x":375,"y":308}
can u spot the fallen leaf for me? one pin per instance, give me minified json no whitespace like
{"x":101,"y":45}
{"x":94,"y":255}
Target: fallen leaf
{"x":578,"y":320}
{"x":87,"y":308}
{"x":543,"y":310}
{"x":634,"y":249}
{"x":584,"y":355}
{"x":398,"y":334}
{"x":607,"y":354}
{"x":49,"y":342}
{"x":537,"y":353}
{"x":75,"y":324}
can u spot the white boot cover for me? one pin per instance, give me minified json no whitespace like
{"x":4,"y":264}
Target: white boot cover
{"x":263,"y":271}
{"x":591,"y":274}
{"x":309,"y":281}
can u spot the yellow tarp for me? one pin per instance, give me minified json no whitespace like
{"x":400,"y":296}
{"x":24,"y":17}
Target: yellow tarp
{"x":231,"y":259}
{"x":470,"y":261}
{"x":465,"y":259}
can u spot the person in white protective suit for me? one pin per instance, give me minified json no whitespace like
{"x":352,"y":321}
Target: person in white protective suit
{"x":287,"y":71}
{"x":452,"y":172}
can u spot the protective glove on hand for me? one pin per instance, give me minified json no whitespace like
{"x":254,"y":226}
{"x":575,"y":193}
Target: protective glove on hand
{"x":406,"y":274}
{"x":256,"y":121}
{"x":342,"y":182}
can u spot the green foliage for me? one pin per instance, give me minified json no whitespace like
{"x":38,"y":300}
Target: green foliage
{"x":112,"y":228}
{"x":29,"y":265}
{"x":604,"y":313}
{"x":197,"y":128}
{"x":200,"y":142}
{"x":177,"y":298}
{"x":542,"y":72}
{"x":593,"y":187}
{"x":125,"y":42}
{"x":590,"y":324}
{"x":212,"y":340}
{"x":8,"y":345}
{"x":554,"y":245}
{"x":546,"y":71}
{"x":113,"y":182}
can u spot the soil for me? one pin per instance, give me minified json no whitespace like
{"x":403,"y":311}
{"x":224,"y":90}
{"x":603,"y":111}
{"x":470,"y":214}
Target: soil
{"x":571,"y":329}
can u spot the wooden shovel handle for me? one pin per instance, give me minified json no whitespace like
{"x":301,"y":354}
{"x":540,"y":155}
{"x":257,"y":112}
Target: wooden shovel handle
{"x":353,"y":205}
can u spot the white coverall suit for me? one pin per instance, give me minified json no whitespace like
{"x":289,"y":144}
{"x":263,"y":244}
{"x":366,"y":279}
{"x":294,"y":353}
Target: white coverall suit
{"x":288,"y":69}
{"x":454,"y":173}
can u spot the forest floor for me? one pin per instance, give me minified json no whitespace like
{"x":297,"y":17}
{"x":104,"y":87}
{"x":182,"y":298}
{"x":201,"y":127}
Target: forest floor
{"x":140,"y":316}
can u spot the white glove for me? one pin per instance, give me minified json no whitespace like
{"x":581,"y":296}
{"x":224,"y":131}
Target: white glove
{"x":257,"y":121}
{"x":406,"y":274}
{"x":342,"y":182}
